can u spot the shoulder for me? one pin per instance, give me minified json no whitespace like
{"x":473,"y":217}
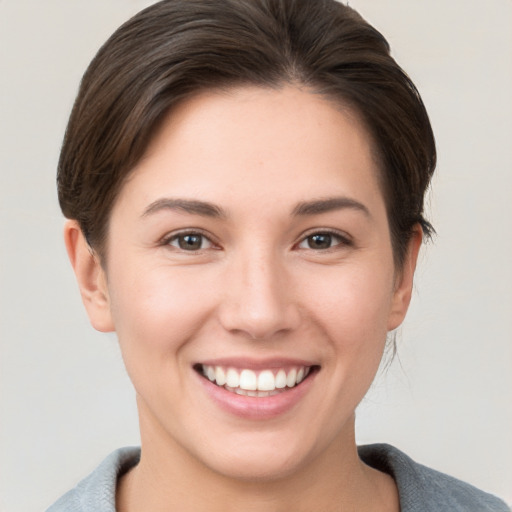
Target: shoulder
{"x":423,"y":489}
{"x":97,"y":492}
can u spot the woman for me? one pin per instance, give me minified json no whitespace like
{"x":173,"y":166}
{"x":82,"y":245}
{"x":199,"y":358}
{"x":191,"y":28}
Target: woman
{"x":244,"y":182}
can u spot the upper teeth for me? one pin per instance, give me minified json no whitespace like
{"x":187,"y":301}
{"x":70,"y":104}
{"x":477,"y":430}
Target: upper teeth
{"x":266,"y":380}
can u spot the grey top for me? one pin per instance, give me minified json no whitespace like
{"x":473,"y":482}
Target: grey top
{"x":421,"y":489}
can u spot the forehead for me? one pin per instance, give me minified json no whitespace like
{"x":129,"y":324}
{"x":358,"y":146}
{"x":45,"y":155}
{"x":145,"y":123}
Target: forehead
{"x":255,"y":142}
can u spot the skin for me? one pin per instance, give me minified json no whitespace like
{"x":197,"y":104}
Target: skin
{"x":255,"y":290}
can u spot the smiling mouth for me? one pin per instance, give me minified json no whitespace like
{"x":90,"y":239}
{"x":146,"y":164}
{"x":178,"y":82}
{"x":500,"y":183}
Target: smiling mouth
{"x":252,"y":383}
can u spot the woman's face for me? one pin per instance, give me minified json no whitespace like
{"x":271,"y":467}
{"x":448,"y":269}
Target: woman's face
{"x":251,"y":244}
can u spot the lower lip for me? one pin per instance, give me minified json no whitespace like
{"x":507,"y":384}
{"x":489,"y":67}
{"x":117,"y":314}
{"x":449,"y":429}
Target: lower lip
{"x":257,"y":408}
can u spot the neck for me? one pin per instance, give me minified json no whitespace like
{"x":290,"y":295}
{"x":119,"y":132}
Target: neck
{"x":169,"y":478}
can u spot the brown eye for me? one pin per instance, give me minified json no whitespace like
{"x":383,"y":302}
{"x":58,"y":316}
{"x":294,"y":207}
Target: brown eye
{"x":319,"y":241}
{"x":322,"y":241}
{"x":190,"y":242}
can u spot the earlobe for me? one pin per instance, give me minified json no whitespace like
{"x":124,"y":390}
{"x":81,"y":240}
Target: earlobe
{"x":404,"y":284}
{"x":90,"y":276}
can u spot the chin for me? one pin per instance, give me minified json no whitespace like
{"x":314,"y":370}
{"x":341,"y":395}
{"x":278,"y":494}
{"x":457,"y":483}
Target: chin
{"x":261,"y":457}
{"x":259,"y":467}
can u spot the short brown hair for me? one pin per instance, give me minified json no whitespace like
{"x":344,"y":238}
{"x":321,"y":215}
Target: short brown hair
{"x":176,"y":48}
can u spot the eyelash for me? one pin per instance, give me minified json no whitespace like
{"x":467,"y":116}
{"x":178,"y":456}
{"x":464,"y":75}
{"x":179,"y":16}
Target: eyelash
{"x":175,"y":237}
{"x":343,"y":240}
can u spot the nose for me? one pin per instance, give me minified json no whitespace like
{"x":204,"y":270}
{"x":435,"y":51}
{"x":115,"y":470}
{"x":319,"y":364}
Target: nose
{"x":258,"y":300}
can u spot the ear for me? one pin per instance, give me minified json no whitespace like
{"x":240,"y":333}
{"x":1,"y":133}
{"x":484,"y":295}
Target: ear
{"x":404,"y":281}
{"x":90,"y":276}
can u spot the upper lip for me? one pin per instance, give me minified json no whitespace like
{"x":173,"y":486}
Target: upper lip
{"x":257,"y":364}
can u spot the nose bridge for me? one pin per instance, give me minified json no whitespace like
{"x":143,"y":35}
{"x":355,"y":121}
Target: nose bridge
{"x":258,"y":301}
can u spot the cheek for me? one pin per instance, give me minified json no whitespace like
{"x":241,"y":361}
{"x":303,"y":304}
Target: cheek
{"x":353,"y":313}
{"x":353,"y":306}
{"x":156,"y":313}
{"x":156,"y":310}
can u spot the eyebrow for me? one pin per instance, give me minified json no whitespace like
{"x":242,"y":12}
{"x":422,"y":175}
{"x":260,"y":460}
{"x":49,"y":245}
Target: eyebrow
{"x":328,"y":205}
{"x":191,"y":206}
{"x":207,"y":209}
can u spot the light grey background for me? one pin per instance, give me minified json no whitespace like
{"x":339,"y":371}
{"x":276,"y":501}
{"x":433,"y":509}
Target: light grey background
{"x":65,"y":400}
